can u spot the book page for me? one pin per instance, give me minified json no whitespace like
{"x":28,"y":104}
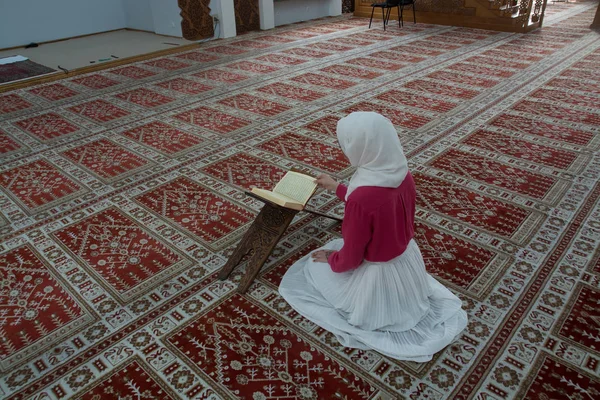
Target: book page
{"x":275,"y":197}
{"x":296,"y":186}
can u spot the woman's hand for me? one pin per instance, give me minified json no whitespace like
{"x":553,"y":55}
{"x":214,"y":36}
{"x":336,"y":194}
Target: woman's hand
{"x":321,"y":256}
{"x":327,"y":182}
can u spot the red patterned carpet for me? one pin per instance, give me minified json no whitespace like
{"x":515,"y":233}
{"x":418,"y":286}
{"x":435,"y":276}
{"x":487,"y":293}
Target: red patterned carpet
{"x":122,"y":196}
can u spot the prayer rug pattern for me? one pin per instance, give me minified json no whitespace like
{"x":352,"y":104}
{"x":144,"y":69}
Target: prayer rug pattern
{"x":122,"y":194}
{"x":22,"y":70}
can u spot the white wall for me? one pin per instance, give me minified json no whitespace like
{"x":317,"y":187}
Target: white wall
{"x":26,"y":21}
{"x":290,"y":11}
{"x":226,"y":12}
{"x":138,"y":15}
{"x":167,"y":20}
{"x":267,"y":14}
{"x":158,"y":16}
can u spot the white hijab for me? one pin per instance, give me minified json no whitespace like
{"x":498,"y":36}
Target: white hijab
{"x":371,"y":143}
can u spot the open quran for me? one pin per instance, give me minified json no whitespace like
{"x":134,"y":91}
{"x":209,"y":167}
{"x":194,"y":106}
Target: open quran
{"x":293,"y":191}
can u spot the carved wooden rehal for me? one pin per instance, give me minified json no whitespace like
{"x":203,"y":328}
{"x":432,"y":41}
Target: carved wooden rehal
{"x":258,"y":242}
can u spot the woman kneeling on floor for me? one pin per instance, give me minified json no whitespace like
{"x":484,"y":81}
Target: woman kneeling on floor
{"x":371,"y":288}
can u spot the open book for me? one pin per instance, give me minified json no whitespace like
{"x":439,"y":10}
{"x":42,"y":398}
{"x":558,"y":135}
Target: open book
{"x":293,"y":191}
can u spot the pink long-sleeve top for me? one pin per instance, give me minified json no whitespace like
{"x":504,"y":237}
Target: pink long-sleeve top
{"x":378,"y":224}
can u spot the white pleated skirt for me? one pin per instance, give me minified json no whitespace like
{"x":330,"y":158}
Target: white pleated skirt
{"x":395,"y":308}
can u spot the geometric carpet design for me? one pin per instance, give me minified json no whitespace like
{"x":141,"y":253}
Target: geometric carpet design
{"x":122,"y":194}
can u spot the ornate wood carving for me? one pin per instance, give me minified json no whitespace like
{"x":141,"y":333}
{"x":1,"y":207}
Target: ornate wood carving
{"x":247,"y":16}
{"x":524,"y":8}
{"x":537,"y":11}
{"x":500,"y":15}
{"x":197,"y":23}
{"x":347,"y":6}
{"x":258,"y":242}
{"x":596,"y":22}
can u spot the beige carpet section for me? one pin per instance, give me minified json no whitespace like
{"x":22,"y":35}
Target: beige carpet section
{"x":77,"y":53}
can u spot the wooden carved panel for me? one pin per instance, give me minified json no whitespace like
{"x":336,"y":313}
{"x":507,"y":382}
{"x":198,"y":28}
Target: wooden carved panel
{"x":247,"y":16}
{"x":596,"y":22}
{"x":197,"y":23}
{"x":524,"y":11}
{"x":347,"y":6}
{"x":538,"y":10}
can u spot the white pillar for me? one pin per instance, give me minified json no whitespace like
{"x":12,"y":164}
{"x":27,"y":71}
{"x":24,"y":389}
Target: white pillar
{"x":335,"y":8}
{"x":227,"y":19}
{"x":267,"y":14}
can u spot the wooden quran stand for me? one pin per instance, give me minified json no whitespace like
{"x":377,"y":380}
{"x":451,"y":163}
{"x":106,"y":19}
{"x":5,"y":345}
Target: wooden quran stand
{"x":596,"y":22}
{"x":260,"y":240}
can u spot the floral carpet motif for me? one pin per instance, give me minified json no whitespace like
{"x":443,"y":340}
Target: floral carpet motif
{"x":122,"y":194}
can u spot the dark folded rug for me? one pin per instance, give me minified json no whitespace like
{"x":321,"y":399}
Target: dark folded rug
{"x":22,"y":70}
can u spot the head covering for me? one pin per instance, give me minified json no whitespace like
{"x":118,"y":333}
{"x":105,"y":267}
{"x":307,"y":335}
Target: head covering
{"x":371,"y":143}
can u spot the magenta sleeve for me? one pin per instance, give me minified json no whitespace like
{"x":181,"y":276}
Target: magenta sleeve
{"x":357,"y":233}
{"x":341,"y":192}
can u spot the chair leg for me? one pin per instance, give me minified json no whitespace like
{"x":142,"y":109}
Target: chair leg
{"x":401,"y":16}
{"x":371,"y":17}
{"x":399,"y":25}
{"x":387,"y":17}
{"x":383,"y":16}
{"x":414,"y":15}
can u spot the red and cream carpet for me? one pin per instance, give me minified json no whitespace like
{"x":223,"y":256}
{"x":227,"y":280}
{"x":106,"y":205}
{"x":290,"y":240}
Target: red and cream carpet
{"x":122,"y":196}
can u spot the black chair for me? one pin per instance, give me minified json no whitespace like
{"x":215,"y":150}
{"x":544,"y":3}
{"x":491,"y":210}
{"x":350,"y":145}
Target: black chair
{"x":402,"y":4}
{"x":387,"y":5}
